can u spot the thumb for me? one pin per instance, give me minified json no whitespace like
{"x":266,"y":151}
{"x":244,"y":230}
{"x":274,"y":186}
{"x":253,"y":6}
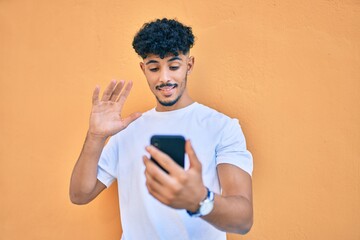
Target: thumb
{"x":194,"y":161}
{"x":131,"y":118}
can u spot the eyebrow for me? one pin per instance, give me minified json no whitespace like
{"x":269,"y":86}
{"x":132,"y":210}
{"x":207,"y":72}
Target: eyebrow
{"x":170,"y":60}
{"x":174,"y":58}
{"x":151,"y":61}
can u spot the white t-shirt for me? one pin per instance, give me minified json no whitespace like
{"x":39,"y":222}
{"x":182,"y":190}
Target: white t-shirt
{"x":215,"y":138}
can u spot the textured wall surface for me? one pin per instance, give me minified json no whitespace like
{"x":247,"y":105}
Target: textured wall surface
{"x":289,"y":70}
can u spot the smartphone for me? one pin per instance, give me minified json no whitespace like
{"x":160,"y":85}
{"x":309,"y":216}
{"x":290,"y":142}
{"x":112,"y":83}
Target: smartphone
{"x":172,"y":145}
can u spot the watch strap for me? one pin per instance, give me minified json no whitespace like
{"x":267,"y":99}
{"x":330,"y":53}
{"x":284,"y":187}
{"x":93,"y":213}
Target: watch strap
{"x":209,"y":197}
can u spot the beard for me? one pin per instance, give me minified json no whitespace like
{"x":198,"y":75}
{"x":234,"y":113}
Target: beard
{"x":171,"y":103}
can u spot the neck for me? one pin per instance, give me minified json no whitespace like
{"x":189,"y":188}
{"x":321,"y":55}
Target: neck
{"x":184,"y":101}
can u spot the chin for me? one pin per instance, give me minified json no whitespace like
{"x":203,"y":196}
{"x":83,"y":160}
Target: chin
{"x":169,"y":103}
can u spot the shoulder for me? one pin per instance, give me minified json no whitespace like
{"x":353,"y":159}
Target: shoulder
{"x":214,"y":117}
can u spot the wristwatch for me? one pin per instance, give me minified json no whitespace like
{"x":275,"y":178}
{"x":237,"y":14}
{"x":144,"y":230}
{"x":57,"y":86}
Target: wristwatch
{"x":206,"y":205}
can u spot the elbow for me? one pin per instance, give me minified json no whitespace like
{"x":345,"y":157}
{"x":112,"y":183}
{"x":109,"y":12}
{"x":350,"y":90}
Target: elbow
{"x":244,"y":229}
{"x":241,"y":228}
{"x":238,"y":228}
{"x":77,"y":199}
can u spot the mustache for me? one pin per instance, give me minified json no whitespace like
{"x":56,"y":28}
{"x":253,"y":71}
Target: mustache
{"x":158,"y":87}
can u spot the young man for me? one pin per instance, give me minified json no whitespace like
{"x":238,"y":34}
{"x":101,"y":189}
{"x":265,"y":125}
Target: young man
{"x":211,"y":196}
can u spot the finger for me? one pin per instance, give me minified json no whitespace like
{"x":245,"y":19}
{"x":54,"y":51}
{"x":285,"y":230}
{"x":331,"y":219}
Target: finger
{"x":193,"y":160}
{"x":155,"y":189}
{"x":149,"y":173}
{"x":125,"y":93}
{"x":153,"y":185}
{"x":160,"y":185}
{"x":108,"y":91}
{"x":95,"y":96}
{"x":156,"y":173}
{"x":159,"y":197}
{"x":117,"y":91}
{"x":165,"y":161}
{"x":131,"y":118}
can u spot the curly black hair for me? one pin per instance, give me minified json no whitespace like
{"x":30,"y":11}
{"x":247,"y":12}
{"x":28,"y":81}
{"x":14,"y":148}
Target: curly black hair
{"x":163,"y":37}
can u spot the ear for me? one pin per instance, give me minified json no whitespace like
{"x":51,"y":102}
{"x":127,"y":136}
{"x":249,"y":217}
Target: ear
{"x":142,"y":66}
{"x":190,"y":64}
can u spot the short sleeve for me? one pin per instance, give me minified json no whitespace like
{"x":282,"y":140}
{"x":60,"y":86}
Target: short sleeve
{"x":232,"y":148}
{"x":107,"y":166}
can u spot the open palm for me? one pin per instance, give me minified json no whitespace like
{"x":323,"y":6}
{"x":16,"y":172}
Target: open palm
{"x":106,"y":119}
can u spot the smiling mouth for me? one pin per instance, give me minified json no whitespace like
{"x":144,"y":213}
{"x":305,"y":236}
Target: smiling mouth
{"x":166,"y":86}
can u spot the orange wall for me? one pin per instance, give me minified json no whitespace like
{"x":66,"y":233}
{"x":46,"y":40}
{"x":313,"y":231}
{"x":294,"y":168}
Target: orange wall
{"x":289,"y":70}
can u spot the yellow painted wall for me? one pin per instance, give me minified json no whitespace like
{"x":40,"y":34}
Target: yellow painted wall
{"x":289,"y":70}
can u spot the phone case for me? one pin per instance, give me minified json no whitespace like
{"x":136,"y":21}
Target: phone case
{"x":172,"y":145}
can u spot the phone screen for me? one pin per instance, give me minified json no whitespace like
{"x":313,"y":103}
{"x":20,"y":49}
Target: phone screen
{"x":172,"y":145}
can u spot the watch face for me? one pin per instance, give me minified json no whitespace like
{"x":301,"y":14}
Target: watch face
{"x":206,"y":208}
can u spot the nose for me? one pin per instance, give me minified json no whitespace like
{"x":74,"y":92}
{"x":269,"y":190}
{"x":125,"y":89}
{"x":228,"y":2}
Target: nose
{"x":164,"y":76}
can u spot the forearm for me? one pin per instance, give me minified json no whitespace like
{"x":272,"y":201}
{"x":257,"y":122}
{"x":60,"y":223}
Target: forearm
{"x":231,"y":214}
{"x":84,"y":175}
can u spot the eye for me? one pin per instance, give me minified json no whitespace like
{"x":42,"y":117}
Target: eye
{"x":154,"y":69}
{"x":173,"y":68}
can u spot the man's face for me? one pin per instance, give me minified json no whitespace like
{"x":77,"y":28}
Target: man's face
{"x":167,"y":78}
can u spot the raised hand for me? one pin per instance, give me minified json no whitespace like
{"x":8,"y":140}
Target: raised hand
{"x":105,"y":118}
